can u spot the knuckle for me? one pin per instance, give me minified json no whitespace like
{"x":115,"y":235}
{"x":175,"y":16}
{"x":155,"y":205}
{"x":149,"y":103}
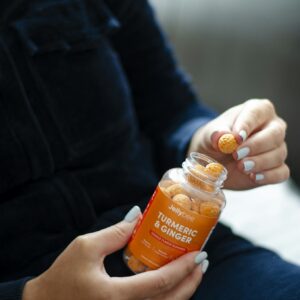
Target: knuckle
{"x":119,"y":231}
{"x":280,"y":155}
{"x":278,"y":159}
{"x":278,"y":135}
{"x":283,"y":124}
{"x":282,"y":175}
{"x":81,"y":243}
{"x":268,"y":104}
{"x":163,"y":283}
{"x":282,"y":129}
{"x":284,"y":152}
{"x":79,"y":240}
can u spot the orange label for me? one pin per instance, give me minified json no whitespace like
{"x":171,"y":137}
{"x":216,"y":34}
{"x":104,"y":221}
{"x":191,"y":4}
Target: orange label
{"x":167,"y":231}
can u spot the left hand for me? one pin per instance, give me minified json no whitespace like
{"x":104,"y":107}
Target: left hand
{"x":79,"y":272}
{"x":264,"y":150}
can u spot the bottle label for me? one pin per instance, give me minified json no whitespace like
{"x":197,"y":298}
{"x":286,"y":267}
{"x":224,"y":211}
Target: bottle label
{"x":167,"y":231}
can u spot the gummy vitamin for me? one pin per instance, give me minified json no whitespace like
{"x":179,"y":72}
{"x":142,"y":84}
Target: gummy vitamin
{"x":227,"y":143}
{"x":183,"y":201}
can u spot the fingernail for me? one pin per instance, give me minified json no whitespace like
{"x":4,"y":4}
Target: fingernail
{"x":243,"y":135}
{"x":248,"y":165}
{"x":132,"y":214}
{"x":243,"y":152}
{"x":200,"y":257}
{"x":205,"y":265}
{"x":259,"y":177}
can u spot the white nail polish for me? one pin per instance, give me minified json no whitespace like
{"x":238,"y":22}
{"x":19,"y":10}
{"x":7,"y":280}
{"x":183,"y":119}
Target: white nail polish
{"x":200,"y":257}
{"x":248,"y":165}
{"x":243,"y":152}
{"x":132,"y":214}
{"x":243,"y":135}
{"x":259,"y":177}
{"x":205,"y":265}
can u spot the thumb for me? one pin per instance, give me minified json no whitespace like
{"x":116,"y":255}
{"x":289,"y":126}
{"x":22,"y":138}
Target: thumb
{"x":115,"y":237}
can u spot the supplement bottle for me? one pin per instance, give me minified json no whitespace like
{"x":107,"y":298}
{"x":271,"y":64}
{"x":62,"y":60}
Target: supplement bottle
{"x":180,"y":216}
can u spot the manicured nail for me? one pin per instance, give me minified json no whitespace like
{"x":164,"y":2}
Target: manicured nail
{"x":248,"y":165}
{"x":243,"y":135}
{"x":205,"y":265}
{"x":243,"y":152}
{"x":259,"y":177}
{"x":200,"y":257}
{"x":132,"y":214}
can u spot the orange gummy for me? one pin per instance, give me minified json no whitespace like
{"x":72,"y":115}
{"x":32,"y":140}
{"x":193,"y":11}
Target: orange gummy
{"x":210,"y":209}
{"x":208,"y":187}
{"x":214,"y":169}
{"x":164,"y":190}
{"x":194,"y":181}
{"x":197,"y":174}
{"x":135,"y":265}
{"x":227,"y":143}
{"x":175,"y":189}
{"x":200,"y":172}
{"x":196,"y":205}
{"x":183,"y":201}
{"x":200,"y":168}
{"x":166,"y":183}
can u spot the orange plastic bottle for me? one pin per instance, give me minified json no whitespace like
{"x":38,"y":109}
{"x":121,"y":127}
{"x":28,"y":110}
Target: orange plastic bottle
{"x":180,"y":216}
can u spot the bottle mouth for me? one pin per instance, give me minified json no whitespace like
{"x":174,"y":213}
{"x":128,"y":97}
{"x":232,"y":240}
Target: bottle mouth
{"x":197,"y":170}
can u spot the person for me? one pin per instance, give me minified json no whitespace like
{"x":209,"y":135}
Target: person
{"x":93,"y":109}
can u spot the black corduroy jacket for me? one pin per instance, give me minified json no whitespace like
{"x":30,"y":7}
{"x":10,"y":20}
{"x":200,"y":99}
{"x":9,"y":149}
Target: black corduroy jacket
{"x":93,"y":108}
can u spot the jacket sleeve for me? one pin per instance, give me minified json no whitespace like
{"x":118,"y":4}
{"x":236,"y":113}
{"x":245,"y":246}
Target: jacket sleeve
{"x":167,"y":107}
{"x":12,"y":290}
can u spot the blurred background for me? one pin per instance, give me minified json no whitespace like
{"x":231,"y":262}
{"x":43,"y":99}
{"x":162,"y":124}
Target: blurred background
{"x":235,"y":50}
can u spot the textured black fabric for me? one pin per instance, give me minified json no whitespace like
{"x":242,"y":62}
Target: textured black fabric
{"x":92,"y":110}
{"x":13,"y":290}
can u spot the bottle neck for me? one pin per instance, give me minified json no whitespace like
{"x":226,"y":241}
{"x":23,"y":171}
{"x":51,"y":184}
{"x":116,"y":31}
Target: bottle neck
{"x":204,"y":173}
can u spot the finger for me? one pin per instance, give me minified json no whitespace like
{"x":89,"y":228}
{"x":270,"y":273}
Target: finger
{"x":270,"y":137}
{"x":265,"y":161}
{"x":255,"y":113}
{"x":160,"y":281}
{"x":187,"y":288}
{"x":111,"y":239}
{"x":276,"y":175}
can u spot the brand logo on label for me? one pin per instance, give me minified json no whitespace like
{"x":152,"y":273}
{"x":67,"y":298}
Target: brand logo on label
{"x":181,"y":213}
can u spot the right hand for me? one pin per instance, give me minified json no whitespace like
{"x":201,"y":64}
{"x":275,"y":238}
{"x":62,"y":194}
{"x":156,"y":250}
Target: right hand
{"x":79,"y":273}
{"x":264,"y":145}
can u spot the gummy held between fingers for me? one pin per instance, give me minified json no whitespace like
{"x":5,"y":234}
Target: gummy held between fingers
{"x":227,"y":143}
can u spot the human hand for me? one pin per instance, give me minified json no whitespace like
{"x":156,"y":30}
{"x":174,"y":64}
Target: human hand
{"x":79,"y":273}
{"x":262,"y":151}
